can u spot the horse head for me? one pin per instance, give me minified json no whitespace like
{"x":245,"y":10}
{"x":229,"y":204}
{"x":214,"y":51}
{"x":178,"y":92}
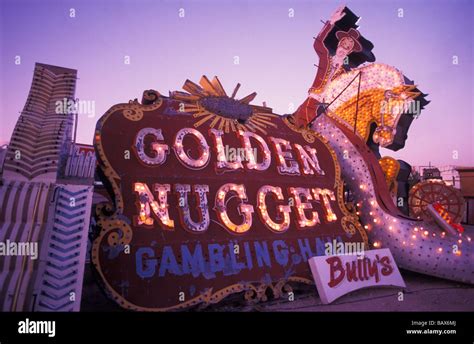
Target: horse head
{"x":377,"y":101}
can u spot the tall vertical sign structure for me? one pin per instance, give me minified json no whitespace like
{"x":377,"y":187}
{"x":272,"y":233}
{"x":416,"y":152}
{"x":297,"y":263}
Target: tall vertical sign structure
{"x":44,"y":212}
{"x":42,"y":132}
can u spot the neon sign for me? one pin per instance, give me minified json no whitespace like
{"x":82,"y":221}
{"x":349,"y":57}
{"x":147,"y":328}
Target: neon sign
{"x":189,"y":223}
{"x":338,"y":275}
{"x":149,"y":206}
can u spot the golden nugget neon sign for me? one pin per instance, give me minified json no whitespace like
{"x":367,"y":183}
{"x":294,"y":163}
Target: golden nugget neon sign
{"x":292,"y":159}
{"x":204,"y":209}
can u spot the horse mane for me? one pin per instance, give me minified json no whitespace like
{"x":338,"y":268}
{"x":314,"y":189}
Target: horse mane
{"x":422,"y":97}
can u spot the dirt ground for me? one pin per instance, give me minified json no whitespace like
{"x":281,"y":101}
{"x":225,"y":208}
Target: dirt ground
{"x":423,"y":293}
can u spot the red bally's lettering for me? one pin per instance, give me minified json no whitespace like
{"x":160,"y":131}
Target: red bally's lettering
{"x":291,"y":159}
{"x":358,"y":269}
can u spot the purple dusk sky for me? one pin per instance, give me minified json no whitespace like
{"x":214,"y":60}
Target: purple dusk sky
{"x":275,"y":52}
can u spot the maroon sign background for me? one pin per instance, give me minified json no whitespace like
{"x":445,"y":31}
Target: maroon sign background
{"x":150,"y":267}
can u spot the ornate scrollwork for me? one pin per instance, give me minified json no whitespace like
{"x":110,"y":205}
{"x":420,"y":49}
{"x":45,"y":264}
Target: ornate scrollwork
{"x":134,"y":112}
{"x":150,"y":97}
{"x":258,"y":293}
{"x":308,"y":135}
{"x":350,"y":224}
{"x":108,"y":214}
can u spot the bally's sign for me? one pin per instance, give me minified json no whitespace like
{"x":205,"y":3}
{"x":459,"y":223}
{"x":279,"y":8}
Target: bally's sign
{"x":338,"y":275}
{"x":205,"y":203}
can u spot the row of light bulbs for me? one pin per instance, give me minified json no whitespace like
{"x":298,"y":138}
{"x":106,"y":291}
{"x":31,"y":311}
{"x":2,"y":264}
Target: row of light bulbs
{"x":159,"y":208}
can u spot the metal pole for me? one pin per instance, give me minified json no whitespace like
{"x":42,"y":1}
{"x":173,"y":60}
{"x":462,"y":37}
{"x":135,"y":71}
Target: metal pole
{"x":357,"y":103}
